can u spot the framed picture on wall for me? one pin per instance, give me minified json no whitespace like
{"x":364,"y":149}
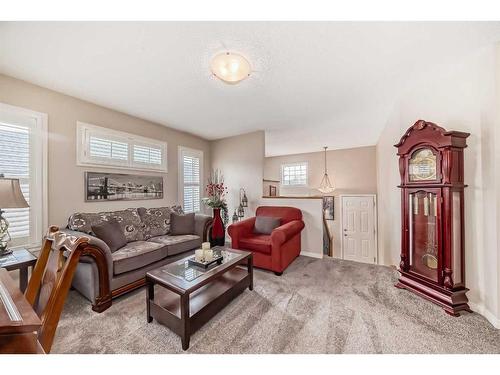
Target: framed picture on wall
{"x":328,"y":208}
{"x":121,"y":187}
{"x":272,"y":191}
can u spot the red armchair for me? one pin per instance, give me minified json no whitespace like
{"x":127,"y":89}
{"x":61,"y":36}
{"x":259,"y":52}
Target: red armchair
{"x":276,"y":251}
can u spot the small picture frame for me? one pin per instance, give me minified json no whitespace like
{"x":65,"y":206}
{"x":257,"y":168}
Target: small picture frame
{"x":272,"y":190}
{"x":328,"y":208}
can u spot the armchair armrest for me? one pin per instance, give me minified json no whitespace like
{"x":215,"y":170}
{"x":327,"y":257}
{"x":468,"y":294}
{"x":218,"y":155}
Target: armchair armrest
{"x":240,"y":229}
{"x":201,"y":224}
{"x":283,"y":233}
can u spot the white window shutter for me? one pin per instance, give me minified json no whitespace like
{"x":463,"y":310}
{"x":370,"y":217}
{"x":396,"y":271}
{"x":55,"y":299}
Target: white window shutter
{"x":99,"y":146}
{"x":191,"y":181}
{"x":15,"y":163}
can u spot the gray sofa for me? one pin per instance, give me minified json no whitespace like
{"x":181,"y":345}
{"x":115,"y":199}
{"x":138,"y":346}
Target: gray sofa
{"x":102,"y":275}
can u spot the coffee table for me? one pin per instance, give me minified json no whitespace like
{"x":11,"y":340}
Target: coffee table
{"x":188,"y":296}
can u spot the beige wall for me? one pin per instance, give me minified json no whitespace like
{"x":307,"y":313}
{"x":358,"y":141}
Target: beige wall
{"x":241,"y":160}
{"x":461,"y":97}
{"x":65,"y":179}
{"x":352,"y":171}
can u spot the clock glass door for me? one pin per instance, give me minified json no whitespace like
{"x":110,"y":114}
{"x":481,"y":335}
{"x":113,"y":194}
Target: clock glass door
{"x":422,"y":166}
{"x":423,"y":233}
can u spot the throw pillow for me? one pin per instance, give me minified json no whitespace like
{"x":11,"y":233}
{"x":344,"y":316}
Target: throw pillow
{"x":156,"y":221}
{"x":181,"y":224}
{"x":266,"y":224}
{"x":111,"y":233}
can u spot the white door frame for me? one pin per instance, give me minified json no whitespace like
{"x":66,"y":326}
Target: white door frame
{"x":375,"y":219}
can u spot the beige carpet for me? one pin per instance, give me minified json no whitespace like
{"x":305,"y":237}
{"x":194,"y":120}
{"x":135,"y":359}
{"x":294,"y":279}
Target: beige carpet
{"x":317,"y":306}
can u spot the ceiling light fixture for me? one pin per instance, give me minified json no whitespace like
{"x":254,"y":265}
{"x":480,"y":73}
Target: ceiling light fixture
{"x":230,"y":67}
{"x":326,"y":186}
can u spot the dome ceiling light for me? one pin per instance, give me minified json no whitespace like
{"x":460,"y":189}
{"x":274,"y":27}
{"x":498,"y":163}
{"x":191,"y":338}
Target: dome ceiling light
{"x":230,"y":67}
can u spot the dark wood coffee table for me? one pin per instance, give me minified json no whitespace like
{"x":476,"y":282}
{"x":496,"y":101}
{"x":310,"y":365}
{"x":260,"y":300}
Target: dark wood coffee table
{"x":189,"y":296}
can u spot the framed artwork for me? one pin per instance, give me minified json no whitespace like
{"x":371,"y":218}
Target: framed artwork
{"x":121,"y":187}
{"x":272,"y":191}
{"x":328,"y":208}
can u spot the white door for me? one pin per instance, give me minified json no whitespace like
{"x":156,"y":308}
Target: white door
{"x":358,"y":228}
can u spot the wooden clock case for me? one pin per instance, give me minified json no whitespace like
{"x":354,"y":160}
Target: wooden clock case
{"x":431,"y":165}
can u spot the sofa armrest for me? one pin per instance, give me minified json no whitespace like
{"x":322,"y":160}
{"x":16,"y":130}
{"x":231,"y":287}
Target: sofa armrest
{"x":94,"y":241}
{"x":201,"y":225}
{"x":240,"y":229}
{"x":283,"y":233}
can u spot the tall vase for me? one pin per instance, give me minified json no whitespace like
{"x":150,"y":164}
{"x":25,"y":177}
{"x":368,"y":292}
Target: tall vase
{"x":218,"y":233}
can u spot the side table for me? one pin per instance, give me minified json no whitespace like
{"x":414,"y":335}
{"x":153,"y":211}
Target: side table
{"x":19,"y":259}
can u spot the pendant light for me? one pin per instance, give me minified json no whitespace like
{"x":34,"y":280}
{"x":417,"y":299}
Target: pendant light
{"x":326,"y":186}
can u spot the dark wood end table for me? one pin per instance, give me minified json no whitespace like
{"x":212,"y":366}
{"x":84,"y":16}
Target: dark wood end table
{"x":19,"y":259}
{"x":189,"y":296}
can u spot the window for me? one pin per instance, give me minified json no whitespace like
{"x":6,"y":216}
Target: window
{"x":190,"y":177}
{"x":294,"y":174}
{"x":99,"y":146}
{"x":23,"y":155}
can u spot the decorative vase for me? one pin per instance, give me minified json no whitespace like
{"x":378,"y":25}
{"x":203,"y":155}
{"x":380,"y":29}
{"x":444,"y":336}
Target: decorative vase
{"x":218,"y":232}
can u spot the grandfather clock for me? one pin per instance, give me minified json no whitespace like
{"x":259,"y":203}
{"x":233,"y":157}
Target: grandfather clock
{"x":431,"y":164}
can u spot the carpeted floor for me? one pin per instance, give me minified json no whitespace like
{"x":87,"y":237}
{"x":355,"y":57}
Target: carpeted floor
{"x":317,"y":306}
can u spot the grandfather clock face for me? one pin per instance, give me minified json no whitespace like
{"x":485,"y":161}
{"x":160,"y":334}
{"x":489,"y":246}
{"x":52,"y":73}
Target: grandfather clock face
{"x":422,"y":165}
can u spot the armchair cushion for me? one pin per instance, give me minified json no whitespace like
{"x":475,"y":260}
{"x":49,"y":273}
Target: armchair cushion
{"x":260,"y":243}
{"x":266,"y":224}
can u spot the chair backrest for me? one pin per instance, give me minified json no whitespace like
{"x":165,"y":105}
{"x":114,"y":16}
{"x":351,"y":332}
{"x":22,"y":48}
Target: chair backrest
{"x":51,"y":280}
{"x":286,"y":214}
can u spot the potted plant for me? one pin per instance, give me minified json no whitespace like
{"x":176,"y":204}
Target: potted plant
{"x":216,"y":199}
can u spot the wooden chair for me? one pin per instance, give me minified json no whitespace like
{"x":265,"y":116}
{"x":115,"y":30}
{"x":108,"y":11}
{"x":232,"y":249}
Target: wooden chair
{"x":51,"y":280}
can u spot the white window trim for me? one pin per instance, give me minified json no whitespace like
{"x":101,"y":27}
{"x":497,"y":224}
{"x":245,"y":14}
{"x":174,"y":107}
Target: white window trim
{"x":83,"y":129}
{"x":39,"y":198}
{"x":180,"y":187}
{"x":291,"y":165}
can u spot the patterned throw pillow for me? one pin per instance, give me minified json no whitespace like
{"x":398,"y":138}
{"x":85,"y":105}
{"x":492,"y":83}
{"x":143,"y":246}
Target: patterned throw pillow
{"x":156,"y":221}
{"x":129,"y":221}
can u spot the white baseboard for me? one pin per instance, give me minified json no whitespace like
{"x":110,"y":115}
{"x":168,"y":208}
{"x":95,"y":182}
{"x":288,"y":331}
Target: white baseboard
{"x":481,"y":310}
{"x":311,"y":255}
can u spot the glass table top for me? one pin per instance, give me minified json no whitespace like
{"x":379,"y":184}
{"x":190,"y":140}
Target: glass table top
{"x":184,"y":270}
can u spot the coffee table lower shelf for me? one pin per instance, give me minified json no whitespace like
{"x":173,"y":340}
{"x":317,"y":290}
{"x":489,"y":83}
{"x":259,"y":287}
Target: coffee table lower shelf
{"x":185,"y":313}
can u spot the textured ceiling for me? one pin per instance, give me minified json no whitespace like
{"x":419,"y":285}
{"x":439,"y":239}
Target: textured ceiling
{"x":313,"y":83}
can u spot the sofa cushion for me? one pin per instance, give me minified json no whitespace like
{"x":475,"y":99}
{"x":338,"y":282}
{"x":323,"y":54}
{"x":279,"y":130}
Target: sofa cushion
{"x":111,"y":233}
{"x":266,"y":224}
{"x":178,"y":244}
{"x":129,"y":220}
{"x":156,"y":221}
{"x":260,"y":243}
{"x":181,"y":224}
{"x":137,"y":254}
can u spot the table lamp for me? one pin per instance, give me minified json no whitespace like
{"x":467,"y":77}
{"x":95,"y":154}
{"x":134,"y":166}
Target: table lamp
{"x":11,"y":196}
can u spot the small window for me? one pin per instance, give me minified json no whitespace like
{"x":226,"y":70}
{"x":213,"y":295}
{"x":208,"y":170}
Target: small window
{"x":294,"y":174}
{"x":190,"y":178}
{"x":99,"y":146}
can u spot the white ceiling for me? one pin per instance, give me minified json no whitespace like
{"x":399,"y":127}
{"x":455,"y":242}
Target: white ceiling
{"x":314,"y":83}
